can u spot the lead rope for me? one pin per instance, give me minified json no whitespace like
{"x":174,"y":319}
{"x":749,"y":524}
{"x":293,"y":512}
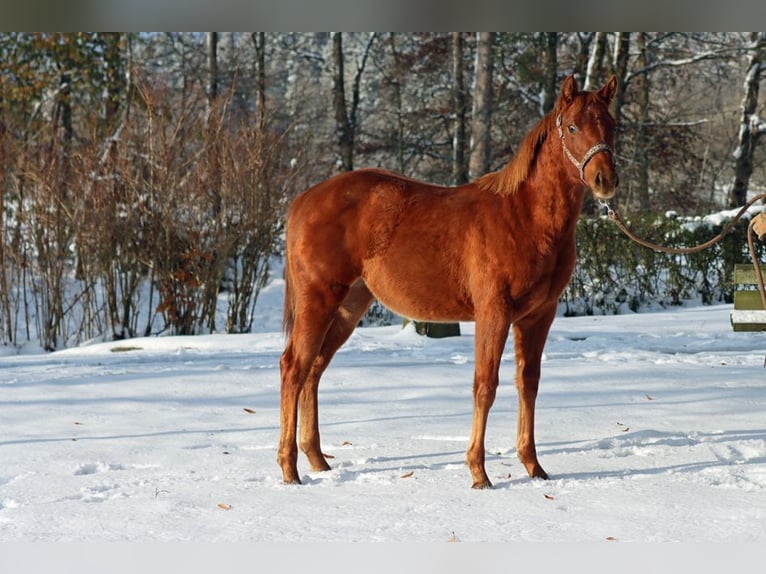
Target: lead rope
{"x":614,"y":216}
{"x":757,"y":226}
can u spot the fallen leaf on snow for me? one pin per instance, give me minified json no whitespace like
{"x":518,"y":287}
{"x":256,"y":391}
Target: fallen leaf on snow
{"x":224,"y":506}
{"x":249,"y":411}
{"x":408,"y":474}
{"x":549,"y":497}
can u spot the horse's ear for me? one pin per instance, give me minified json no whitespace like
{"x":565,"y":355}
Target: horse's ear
{"x":609,"y":89}
{"x":569,"y":90}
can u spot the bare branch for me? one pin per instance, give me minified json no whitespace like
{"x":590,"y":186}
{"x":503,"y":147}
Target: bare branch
{"x":701,"y":57}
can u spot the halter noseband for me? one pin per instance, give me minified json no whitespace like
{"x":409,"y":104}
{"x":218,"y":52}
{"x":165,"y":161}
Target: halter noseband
{"x":580,"y":165}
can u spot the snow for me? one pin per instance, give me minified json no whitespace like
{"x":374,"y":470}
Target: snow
{"x":651,"y":425}
{"x":723,"y":217}
{"x":748,"y":316}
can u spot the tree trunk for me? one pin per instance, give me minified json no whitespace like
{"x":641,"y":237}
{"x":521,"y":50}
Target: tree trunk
{"x":7,"y":332}
{"x":550,"y":80}
{"x":345,"y":132}
{"x":459,"y":171}
{"x":459,"y":167}
{"x":397,"y":84}
{"x":620,"y":68}
{"x":63,"y":115}
{"x":581,"y":67}
{"x":259,"y":41}
{"x":212,"y":96}
{"x":751,"y":128}
{"x":212,"y":60}
{"x":642,"y":136}
{"x":459,"y":164}
{"x":115,"y":77}
{"x":482,"y":106}
{"x":594,"y":72}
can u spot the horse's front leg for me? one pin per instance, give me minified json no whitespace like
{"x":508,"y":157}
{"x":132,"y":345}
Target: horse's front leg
{"x":491,"y":334}
{"x":530,"y":335}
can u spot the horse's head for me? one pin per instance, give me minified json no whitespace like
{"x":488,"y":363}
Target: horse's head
{"x":586,"y":130}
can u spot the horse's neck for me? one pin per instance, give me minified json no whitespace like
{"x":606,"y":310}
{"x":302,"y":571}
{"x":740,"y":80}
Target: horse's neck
{"x":553,"y":197}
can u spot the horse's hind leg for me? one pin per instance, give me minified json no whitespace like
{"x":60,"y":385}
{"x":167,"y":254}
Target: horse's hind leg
{"x":321,"y":326}
{"x":344,"y":322}
{"x":313,"y":316}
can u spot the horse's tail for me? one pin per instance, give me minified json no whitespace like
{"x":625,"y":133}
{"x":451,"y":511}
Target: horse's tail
{"x":288,"y":314}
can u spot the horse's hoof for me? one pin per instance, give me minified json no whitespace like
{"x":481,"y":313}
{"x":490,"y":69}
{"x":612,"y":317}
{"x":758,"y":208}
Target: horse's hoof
{"x":321,"y":467}
{"x":482,"y":485}
{"x":539,"y":473}
{"x":534,"y":470}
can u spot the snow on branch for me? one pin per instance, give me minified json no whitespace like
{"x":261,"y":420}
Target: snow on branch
{"x":709,"y":55}
{"x":757,"y":125}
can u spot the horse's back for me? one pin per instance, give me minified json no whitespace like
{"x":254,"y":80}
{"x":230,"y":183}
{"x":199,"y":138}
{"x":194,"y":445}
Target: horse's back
{"x":355,"y":212}
{"x":335,"y":225}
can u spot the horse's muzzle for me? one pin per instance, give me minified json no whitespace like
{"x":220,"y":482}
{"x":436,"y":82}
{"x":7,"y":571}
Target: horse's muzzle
{"x":605,"y":184}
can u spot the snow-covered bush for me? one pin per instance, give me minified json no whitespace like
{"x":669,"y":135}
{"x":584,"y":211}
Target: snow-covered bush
{"x":614,"y":274}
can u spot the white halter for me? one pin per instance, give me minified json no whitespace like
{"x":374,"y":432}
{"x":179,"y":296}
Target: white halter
{"x":580,"y":165}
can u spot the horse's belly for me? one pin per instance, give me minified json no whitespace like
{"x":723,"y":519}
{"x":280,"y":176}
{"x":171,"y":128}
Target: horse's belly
{"x":418,"y":294}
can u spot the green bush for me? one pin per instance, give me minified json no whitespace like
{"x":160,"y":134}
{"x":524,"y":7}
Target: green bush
{"x":613,"y":274}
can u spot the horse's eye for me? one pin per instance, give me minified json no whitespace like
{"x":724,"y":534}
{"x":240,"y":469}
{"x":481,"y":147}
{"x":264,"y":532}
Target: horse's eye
{"x":572,"y":129}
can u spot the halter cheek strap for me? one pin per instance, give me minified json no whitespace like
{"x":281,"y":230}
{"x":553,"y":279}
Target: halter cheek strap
{"x":580,"y":165}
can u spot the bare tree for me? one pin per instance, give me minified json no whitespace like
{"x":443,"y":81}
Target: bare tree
{"x":482,"y":105}
{"x":212,"y":59}
{"x":642,"y":183}
{"x":344,"y":128}
{"x":346,"y":118}
{"x":620,"y":68}
{"x":550,"y":74}
{"x":396,"y":82}
{"x":459,"y":167}
{"x":259,"y":42}
{"x":594,"y":70}
{"x":751,"y":127}
{"x":584,"y":39}
{"x":459,"y":164}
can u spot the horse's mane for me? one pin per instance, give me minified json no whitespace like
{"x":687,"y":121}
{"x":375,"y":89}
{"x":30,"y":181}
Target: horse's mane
{"x":507,"y":180}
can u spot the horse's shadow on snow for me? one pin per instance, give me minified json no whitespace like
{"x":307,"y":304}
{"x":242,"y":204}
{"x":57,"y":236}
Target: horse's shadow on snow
{"x":508,"y":470}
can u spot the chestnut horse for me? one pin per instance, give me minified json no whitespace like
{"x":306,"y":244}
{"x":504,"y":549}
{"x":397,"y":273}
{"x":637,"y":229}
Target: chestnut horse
{"x":498,"y":251}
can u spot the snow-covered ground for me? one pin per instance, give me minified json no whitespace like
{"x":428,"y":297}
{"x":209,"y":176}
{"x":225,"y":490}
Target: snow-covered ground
{"x":652,"y":426}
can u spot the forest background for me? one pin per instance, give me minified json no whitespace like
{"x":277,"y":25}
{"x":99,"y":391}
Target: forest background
{"x":144,"y":176}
